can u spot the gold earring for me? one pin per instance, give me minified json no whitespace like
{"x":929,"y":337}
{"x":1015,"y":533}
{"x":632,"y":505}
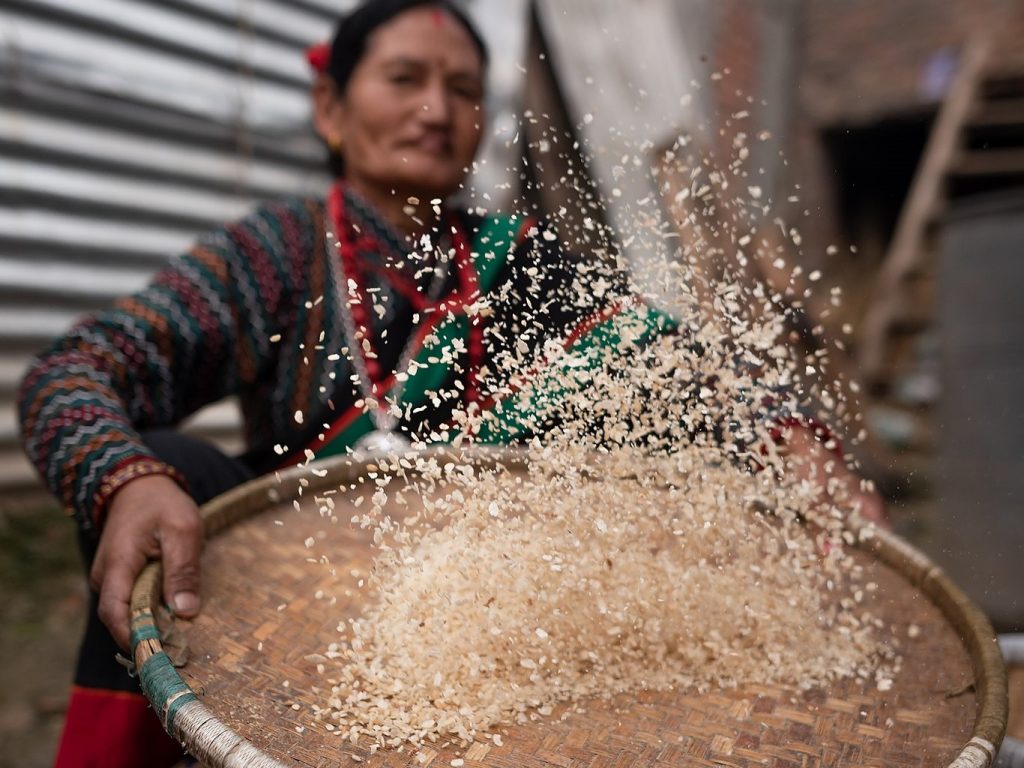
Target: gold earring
{"x":334,"y":143}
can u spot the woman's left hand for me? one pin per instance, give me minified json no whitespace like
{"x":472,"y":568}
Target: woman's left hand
{"x":814,"y":461}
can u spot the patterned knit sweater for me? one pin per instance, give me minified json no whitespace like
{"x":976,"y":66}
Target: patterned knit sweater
{"x":249,"y":311}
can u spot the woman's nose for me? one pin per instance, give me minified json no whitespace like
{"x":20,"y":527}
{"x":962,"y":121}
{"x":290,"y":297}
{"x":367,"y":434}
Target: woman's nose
{"x":436,"y":105}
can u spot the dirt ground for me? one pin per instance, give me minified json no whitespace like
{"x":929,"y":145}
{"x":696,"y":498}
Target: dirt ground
{"x":42,"y":605}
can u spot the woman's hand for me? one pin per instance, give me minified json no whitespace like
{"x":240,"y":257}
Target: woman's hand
{"x":151,"y":517}
{"x":812,"y":460}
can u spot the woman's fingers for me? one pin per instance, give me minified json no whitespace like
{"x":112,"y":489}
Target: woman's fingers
{"x":181,"y":541}
{"x":114,"y":574}
{"x":872,"y":508}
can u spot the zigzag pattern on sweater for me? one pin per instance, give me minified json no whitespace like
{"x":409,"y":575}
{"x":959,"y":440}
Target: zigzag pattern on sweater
{"x":200,"y":330}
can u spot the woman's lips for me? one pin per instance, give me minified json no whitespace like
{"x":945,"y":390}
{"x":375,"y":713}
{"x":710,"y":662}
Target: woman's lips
{"x":434,"y":143}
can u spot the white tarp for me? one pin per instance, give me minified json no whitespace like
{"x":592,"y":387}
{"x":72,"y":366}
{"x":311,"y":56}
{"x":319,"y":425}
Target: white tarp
{"x":627,"y":76}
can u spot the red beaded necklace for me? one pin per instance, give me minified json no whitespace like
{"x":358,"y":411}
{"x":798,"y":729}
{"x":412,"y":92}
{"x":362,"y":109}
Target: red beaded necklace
{"x":467,"y":292}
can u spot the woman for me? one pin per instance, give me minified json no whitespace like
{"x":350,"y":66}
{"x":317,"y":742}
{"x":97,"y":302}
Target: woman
{"x":260,"y":309}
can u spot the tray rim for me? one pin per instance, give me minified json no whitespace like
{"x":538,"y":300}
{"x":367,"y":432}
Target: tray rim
{"x":187,"y":719}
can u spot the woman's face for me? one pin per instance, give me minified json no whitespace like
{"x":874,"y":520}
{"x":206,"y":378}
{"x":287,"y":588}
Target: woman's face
{"x":410,"y":119}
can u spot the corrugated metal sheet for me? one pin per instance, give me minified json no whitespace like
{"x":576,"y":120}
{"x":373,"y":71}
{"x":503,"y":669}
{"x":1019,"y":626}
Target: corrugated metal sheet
{"x":126,"y":129}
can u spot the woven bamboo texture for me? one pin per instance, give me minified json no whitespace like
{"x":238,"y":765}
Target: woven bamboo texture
{"x":1015,"y":724}
{"x":245,"y":695}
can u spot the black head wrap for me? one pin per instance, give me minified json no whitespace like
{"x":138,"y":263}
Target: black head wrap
{"x":355,"y":29}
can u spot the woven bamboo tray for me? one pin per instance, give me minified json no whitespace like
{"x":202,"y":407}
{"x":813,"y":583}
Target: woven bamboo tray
{"x":244,"y":697}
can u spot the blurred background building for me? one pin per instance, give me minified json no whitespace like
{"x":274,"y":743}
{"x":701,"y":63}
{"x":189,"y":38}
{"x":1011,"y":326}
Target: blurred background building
{"x":889,"y":134}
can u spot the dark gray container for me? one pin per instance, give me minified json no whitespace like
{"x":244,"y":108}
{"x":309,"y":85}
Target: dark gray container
{"x":979,"y":533}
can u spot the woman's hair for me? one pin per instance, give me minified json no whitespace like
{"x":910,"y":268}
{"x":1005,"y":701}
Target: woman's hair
{"x":355,"y":28}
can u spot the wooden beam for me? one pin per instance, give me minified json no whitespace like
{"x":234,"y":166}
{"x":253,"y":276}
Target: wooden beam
{"x":1005,"y":113}
{"x":989,"y":162}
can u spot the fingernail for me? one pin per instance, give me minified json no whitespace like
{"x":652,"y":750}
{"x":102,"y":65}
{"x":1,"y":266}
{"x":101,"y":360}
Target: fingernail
{"x":186,"y":603}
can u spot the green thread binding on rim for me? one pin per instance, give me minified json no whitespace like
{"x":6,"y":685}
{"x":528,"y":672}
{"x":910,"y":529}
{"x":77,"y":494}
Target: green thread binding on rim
{"x":147,"y":631}
{"x":161,"y":681}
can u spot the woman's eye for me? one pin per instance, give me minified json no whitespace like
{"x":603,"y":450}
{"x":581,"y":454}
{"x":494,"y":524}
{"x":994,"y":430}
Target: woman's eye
{"x":470,"y":92}
{"x":403,"y":79}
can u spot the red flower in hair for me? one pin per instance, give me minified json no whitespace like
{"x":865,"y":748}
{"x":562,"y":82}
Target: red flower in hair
{"x":319,"y":57}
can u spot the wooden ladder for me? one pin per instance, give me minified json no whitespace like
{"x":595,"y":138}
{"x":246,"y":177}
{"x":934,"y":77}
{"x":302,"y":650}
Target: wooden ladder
{"x":976,"y":146}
